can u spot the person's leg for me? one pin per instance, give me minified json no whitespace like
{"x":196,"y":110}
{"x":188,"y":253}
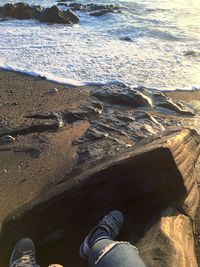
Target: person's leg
{"x":108,"y":253}
{"x":107,"y":228}
{"x":100,"y":249}
{"x":23,"y":254}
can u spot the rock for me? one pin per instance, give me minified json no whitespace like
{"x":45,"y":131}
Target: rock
{"x":169,"y":241}
{"x":24,"y":11}
{"x":32,"y":151}
{"x":43,"y":139}
{"x":48,"y":116}
{"x":127,"y":39}
{"x":95,"y":7}
{"x":71,"y":16}
{"x":74,"y":116}
{"x":125,"y":97}
{"x":21,"y":11}
{"x":6,"y":139}
{"x":7,"y":10}
{"x":43,"y":115}
{"x":55,"y":15}
{"x":91,"y":135}
{"x":100,"y":12}
{"x":26,"y":129}
{"x":91,"y":8}
{"x":135,"y":180}
{"x":192,"y":53}
{"x":95,"y":107}
{"x":75,"y":6}
{"x":176,"y":106}
{"x":53,"y":91}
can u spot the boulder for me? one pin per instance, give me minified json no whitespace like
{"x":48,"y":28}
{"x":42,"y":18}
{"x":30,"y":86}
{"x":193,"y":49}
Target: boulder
{"x":127,"y":39}
{"x":7,"y":10}
{"x":6,"y":139}
{"x":21,"y":11}
{"x":71,"y":16}
{"x":55,"y":15}
{"x":94,"y":8}
{"x":170,"y":242}
{"x":176,"y":106}
{"x":76,"y":6}
{"x":25,"y":11}
{"x":100,"y":12}
{"x":123,"y":96}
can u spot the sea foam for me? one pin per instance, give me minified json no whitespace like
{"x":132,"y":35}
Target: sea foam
{"x":96,"y":51}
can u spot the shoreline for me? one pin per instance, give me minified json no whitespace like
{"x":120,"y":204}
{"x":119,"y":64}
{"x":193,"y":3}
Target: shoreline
{"x":74,"y":83}
{"x":78,"y":84}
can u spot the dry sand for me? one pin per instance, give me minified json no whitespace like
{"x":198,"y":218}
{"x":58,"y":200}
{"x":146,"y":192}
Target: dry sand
{"x":22,"y":175}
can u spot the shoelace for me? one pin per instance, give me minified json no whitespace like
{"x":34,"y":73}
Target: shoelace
{"x":27,"y":260}
{"x":112,"y":223}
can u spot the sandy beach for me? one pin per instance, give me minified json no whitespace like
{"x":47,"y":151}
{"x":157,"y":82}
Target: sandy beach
{"x":23,"y":175}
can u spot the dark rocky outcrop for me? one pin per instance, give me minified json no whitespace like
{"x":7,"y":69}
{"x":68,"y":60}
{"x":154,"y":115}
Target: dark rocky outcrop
{"x":26,"y":129}
{"x":26,"y":11}
{"x":74,"y":6}
{"x":127,"y":96}
{"x":100,"y":13}
{"x":55,"y":15}
{"x":104,"y":11}
{"x":172,"y":234}
{"x":21,"y":11}
{"x":174,"y":106}
{"x":6,"y":139}
{"x":94,"y":9}
{"x":127,"y":39}
{"x":7,"y":10}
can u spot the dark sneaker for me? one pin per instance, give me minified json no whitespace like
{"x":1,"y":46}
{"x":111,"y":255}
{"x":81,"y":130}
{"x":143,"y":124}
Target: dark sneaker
{"x":23,"y":254}
{"x":108,"y":228}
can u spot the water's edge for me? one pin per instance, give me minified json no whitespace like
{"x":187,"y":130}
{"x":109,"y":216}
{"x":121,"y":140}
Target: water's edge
{"x":74,"y":83}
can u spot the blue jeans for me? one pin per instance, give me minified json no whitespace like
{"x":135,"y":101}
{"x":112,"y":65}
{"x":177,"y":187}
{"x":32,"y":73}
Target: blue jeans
{"x":109,"y":253}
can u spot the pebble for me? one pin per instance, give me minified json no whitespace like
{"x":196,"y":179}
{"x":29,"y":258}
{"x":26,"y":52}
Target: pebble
{"x":128,"y":39}
{"x":6,"y":139}
{"x":54,"y":91}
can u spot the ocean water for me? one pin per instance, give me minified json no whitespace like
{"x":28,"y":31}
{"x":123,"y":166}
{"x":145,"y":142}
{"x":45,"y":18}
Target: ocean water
{"x":164,"y":52}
